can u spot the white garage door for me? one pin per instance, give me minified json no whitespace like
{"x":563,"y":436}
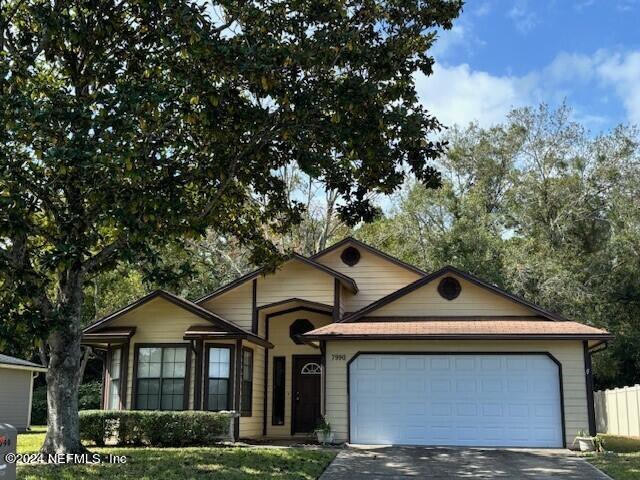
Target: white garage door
{"x":468,"y":400}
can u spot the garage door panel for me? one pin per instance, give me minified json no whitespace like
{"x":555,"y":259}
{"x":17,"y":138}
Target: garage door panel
{"x":390,"y":363}
{"x":440,"y":364}
{"x":465,"y":385}
{"x":415,"y":363}
{"x":468,"y":400}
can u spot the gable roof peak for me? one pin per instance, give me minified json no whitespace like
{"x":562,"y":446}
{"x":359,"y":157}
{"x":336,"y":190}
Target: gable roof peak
{"x":371,"y":249}
{"x":461,"y":273}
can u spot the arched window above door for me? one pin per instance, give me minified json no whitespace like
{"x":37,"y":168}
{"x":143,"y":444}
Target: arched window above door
{"x":311,"y":368}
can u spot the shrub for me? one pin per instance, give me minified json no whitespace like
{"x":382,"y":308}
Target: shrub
{"x":89,"y":398}
{"x":154,"y":428}
{"x":39,"y":406}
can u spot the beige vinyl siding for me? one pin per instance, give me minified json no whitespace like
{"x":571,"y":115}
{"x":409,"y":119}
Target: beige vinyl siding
{"x":285,"y":347}
{"x":296,"y":280}
{"x":568,"y":353}
{"x":15,"y":395}
{"x":375,"y":276}
{"x":473,"y":300}
{"x":234,"y":305}
{"x":158,"y":321}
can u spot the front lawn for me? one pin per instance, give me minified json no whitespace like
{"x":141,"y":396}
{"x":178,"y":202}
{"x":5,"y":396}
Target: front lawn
{"x":233,"y":463}
{"x":624,"y":464}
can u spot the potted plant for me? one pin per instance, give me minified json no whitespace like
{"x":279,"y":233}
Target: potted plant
{"x":323,"y":432}
{"x":585,"y":442}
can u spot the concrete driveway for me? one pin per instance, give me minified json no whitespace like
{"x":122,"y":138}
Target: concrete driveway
{"x":388,"y":463}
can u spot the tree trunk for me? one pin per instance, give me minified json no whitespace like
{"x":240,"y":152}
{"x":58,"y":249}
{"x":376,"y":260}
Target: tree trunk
{"x":63,"y":375}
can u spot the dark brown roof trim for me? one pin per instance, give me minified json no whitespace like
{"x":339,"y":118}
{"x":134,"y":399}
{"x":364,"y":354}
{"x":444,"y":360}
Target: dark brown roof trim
{"x":436,"y":318}
{"x":206,"y":332}
{"x":370,"y":249}
{"x":474,"y":336}
{"x":308,"y":303}
{"x":347,"y":281}
{"x":115,"y":332}
{"x":178,"y":301}
{"x":121,"y":334}
{"x":449,"y":269}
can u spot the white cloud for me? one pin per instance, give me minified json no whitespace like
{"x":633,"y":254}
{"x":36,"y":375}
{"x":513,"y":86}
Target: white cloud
{"x":523,"y":18}
{"x":622,"y":72}
{"x":448,"y":40}
{"x":460,"y":95}
{"x":460,"y":41}
{"x":457,"y":94}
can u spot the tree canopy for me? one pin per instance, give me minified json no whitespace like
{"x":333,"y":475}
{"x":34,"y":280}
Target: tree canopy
{"x":131,"y":124}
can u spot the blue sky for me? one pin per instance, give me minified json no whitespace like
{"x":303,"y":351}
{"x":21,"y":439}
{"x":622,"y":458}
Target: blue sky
{"x":506,"y":53}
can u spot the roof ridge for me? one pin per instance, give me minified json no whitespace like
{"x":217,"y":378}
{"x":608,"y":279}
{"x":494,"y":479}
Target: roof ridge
{"x":372,"y":249}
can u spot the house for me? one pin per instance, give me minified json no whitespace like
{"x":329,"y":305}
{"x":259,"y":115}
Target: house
{"x":16,"y":389}
{"x":389,"y":354}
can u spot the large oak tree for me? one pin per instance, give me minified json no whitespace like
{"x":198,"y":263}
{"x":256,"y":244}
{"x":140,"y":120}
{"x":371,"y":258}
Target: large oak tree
{"x":129,"y":123}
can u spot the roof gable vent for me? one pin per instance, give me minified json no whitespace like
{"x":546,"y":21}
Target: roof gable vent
{"x":350,"y":256}
{"x":449,"y":288}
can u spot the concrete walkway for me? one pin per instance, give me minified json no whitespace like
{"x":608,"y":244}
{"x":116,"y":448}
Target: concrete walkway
{"x":388,"y":463}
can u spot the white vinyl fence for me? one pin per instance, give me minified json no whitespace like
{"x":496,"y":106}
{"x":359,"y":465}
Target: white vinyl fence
{"x":618,"y":411}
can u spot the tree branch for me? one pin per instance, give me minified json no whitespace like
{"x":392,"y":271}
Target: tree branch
{"x":102,"y":256}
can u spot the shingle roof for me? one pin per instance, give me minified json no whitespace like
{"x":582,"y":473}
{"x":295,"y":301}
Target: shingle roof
{"x":477,"y":328}
{"x":7,"y":360}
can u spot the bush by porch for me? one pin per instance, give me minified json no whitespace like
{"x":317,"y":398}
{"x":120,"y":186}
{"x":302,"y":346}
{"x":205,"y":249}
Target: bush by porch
{"x":155,"y":428}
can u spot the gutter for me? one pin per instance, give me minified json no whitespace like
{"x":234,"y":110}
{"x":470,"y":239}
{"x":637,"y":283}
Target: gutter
{"x":455,"y":337}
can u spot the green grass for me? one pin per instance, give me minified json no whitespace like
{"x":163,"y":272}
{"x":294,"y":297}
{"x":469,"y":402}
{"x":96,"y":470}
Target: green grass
{"x":31,"y":441}
{"x":624,"y":463}
{"x":232,"y":463}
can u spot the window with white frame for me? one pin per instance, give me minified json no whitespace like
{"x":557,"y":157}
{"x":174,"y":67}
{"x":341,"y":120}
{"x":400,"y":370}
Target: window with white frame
{"x":218,"y":394}
{"x":114,"y":367}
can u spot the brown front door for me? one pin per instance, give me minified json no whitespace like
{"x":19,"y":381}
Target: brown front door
{"x":306,"y":393}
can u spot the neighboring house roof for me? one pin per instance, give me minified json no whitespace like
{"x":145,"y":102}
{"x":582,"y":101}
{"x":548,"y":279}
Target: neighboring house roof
{"x":203,"y":313}
{"x":17,"y":363}
{"x":348,"y":282}
{"x":371,"y":249}
{"x":496,"y":328}
{"x":356,"y":316}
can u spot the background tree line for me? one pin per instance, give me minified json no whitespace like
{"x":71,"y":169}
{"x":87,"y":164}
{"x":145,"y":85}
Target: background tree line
{"x":536,"y":205}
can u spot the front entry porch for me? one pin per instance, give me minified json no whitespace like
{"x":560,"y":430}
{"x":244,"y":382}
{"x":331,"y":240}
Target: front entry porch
{"x":294,"y":370}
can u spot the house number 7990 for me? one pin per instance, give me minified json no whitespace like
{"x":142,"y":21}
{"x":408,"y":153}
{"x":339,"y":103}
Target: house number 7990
{"x":338,"y":356}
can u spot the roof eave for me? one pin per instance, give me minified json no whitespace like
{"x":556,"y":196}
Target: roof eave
{"x":458,"y":337}
{"x":228,"y":336}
